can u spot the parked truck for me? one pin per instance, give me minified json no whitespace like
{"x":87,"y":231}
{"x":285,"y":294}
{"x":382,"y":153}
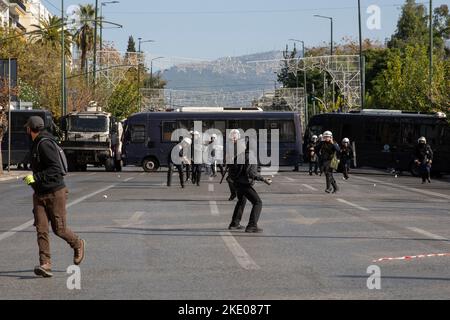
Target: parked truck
{"x":92,"y":138}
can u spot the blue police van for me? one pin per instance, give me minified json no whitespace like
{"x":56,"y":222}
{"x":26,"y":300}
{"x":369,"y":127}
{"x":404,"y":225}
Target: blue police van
{"x":147,"y":136}
{"x":20,"y":141}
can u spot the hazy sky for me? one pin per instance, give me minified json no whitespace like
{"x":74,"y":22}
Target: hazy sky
{"x":208,"y":29}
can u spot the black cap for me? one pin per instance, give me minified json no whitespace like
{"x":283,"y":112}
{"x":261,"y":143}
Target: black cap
{"x":35,"y":123}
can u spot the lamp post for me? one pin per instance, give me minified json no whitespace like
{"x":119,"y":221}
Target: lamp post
{"x":140,"y":41}
{"x":151,"y":69}
{"x":331,"y":46}
{"x":95,"y":42}
{"x":304,"y":77}
{"x":361,"y":59}
{"x":63,"y":64}
{"x":103,"y":4}
{"x":431,"y":51}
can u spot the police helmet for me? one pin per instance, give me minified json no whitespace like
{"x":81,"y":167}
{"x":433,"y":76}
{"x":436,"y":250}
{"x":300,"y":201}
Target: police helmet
{"x":346,"y":140}
{"x":314,"y":138}
{"x":422,"y":140}
{"x":328,"y":134}
{"x":187,"y":140}
{"x":235,"y":134}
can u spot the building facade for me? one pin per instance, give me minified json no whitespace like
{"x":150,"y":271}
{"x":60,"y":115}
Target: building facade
{"x":4,"y":13}
{"x":23,"y":14}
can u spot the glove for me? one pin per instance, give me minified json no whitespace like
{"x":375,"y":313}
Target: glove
{"x":267,"y":181}
{"x":29,"y":179}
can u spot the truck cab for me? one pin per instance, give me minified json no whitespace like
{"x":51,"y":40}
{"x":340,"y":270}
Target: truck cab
{"x":92,"y":138}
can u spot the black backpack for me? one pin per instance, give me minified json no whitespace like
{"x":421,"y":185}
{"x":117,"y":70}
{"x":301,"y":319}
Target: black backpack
{"x":62,"y":156}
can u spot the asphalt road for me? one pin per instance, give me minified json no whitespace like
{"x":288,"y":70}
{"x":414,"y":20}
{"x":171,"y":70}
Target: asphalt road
{"x":148,"y":241}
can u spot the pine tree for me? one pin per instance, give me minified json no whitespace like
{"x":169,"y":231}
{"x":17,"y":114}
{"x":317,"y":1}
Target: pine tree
{"x":131,"y":45}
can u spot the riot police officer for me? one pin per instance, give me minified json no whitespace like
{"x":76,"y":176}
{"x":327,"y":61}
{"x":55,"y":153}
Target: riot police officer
{"x":346,"y":157}
{"x":196,"y":158}
{"x":178,"y":150}
{"x":328,"y":149}
{"x":424,"y":158}
{"x":244,"y":177}
{"x":312,"y":156}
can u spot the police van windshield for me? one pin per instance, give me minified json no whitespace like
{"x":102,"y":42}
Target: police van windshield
{"x":88,"y":124}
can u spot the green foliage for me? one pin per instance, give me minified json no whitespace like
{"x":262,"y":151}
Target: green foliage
{"x":29,"y":94}
{"x":411,"y":27}
{"x":131,"y":45}
{"x":405,"y":82}
{"x":124,"y":100}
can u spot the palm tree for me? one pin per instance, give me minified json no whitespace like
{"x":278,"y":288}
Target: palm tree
{"x":84,"y":36}
{"x":49,"y":33}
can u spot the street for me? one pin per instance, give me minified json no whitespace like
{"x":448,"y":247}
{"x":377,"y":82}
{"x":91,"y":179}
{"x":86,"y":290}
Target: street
{"x":148,"y":241}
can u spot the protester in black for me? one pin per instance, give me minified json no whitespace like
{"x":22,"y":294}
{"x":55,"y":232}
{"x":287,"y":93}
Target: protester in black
{"x":50,"y":194}
{"x":244,"y":176}
{"x":424,"y":158}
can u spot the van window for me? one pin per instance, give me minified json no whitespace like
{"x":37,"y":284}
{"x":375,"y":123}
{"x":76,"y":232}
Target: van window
{"x":168,"y":128}
{"x":137,"y":133}
{"x":286,"y":129}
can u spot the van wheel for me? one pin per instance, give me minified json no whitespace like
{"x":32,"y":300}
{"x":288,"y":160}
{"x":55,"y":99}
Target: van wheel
{"x":414,"y":169}
{"x":109,"y":165}
{"x":150,"y":165}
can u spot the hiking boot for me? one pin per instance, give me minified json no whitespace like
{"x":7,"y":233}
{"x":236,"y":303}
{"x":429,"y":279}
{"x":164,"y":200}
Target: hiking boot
{"x":253,"y":229}
{"x":79,"y":253}
{"x":44,"y":270}
{"x":235,"y":227}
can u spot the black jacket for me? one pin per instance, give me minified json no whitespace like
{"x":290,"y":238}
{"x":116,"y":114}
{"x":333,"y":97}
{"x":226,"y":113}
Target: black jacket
{"x":327,"y":150}
{"x":245,"y":174}
{"x":46,"y":167}
{"x":346,"y":153}
{"x":423,"y":153}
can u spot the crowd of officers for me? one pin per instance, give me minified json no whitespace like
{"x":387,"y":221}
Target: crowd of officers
{"x":325,"y":156}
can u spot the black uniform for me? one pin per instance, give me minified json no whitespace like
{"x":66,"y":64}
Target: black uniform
{"x":346,"y":159}
{"x":313,"y":158}
{"x":196,"y":168}
{"x":327,"y":151}
{"x":424,"y":155}
{"x":179,"y":167}
{"x":244,"y":177}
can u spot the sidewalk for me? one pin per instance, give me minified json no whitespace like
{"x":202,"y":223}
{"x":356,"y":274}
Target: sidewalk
{"x":13,"y":175}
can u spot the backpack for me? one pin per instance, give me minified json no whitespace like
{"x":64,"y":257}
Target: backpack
{"x":62,"y":156}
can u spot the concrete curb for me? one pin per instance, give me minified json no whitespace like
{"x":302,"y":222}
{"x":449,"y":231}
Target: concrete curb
{"x":6,"y":176}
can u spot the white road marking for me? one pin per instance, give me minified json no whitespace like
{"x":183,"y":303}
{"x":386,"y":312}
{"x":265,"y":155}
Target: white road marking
{"x":309,"y":187}
{"x":135,"y":219}
{"x":353,"y":205}
{"x":290,"y":179}
{"x":12,"y":232}
{"x":29,"y":223}
{"x":427,"y":234}
{"x":211,"y":188}
{"x":414,"y":190}
{"x":214,"y":209}
{"x":241,"y":256}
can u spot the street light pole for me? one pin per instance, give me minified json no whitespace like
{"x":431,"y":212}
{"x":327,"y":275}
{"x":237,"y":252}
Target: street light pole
{"x":361,"y":60}
{"x":63,"y":64}
{"x":304,"y":76}
{"x":331,"y":47}
{"x":431,"y":51}
{"x":103,"y":4}
{"x":139,"y":69}
{"x":151,"y":70}
{"x":95,"y":41}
